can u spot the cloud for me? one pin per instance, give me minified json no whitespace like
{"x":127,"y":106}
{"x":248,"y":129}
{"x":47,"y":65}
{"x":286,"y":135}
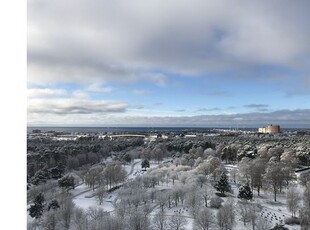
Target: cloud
{"x":180,"y":110}
{"x":256,"y":106}
{"x":219,"y":93}
{"x":75,"y":41}
{"x":208,"y":109}
{"x":74,"y":106}
{"x":99,"y":88}
{"x":137,"y":107}
{"x":285,"y":118}
{"x":45,"y":93}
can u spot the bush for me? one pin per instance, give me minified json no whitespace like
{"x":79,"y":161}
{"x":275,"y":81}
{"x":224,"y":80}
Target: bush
{"x":216,"y":202}
{"x":292,"y":221}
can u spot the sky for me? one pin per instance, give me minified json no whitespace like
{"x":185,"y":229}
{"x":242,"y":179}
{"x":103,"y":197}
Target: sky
{"x":215,"y":63}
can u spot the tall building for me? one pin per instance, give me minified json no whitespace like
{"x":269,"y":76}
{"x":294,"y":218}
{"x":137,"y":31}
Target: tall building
{"x":273,"y":129}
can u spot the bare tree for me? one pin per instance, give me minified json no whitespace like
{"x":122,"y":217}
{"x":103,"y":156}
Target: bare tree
{"x":114,"y":173}
{"x":96,"y":218}
{"x":245,"y":168}
{"x":215,"y":166}
{"x":162,"y":200}
{"x":274,"y":177}
{"x":305,"y":219}
{"x":305,"y":212}
{"x":153,"y":195}
{"x":204,"y":219}
{"x":289,"y":159}
{"x":226,"y":217}
{"x":32,"y":225}
{"x":184,"y":177}
{"x":177,"y":222}
{"x":80,"y":219}
{"x":157,"y":154}
{"x":306,"y":197}
{"x":244,"y":211}
{"x":100,"y":193}
{"x":66,"y":211}
{"x":173,"y":177}
{"x":175,"y":195}
{"x":292,"y":200}
{"x":160,"y":221}
{"x":193,"y":201}
{"x":233,"y":173}
{"x":138,"y":221}
{"x":50,"y":220}
{"x":207,"y":192}
{"x":182,"y":193}
{"x":92,"y":177}
{"x":203,"y":168}
{"x":254,"y":209}
{"x":258,"y":168}
{"x":121,"y":209}
{"x":113,"y":223}
{"x":263,"y":224}
{"x":201,"y":180}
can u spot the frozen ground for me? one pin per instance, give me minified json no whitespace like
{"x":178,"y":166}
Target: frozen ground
{"x":274,"y":212}
{"x":85,"y":198}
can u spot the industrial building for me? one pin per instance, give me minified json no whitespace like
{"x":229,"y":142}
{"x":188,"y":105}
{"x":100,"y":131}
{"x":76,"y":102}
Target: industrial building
{"x":273,"y":129}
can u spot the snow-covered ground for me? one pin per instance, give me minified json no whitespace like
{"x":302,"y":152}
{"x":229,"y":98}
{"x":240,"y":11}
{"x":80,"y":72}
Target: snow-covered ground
{"x":85,"y":198}
{"x":274,"y":212}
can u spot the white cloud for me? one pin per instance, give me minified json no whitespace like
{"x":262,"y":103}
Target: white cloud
{"x":75,"y":41}
{"x":256,"y":106}
{"x":81,"y":94}
{"x":286,"y":118}
{"x":99,"y":88}
{"x":46,"y":92}
{"x":66,"y":106}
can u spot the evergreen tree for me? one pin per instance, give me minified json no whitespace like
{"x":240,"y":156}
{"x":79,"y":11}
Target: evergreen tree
{"x":36,"y":210}
{"x":245,"y":192}
{"x":222,"y":185}
{"x":53,"y":205}
{"x":145,"y":164}
{"x":66,"y":182}
{"x":39,"y":199}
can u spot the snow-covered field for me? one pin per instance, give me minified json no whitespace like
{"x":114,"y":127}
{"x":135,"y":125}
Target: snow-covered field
{"x":273,"y":212}
{"x":85,"y":198}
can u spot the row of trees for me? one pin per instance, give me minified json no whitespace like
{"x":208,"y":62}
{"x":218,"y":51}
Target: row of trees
{"x":105,"y":176}
{"x":45,"y":155}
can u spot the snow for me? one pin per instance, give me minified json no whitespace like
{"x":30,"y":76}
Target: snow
{"x":274,"y":212}
{"x":84,"y":198}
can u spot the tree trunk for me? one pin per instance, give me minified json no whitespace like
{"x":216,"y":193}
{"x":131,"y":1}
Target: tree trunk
{"x":275,"y":195}
{"x":258,"y":190}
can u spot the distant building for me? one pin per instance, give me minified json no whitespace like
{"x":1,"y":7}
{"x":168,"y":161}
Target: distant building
{"x":190,"y":135}
{"x":273,"y":129}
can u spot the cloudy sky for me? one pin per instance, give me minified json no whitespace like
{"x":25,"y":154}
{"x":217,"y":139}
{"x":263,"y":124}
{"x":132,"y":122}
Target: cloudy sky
{"x":168,"y":63}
